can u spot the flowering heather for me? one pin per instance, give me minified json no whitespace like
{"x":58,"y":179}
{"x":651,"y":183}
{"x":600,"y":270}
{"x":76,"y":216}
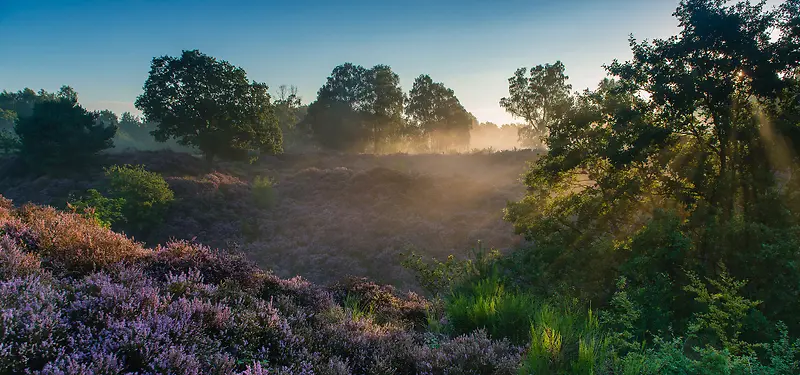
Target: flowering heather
{"x":78,"y":299}
{"x":333,"y":214}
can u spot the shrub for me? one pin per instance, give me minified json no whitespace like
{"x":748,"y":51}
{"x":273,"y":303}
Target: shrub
{"x":264,"y":194}
{"x":437,"y":277}
{"x":60,"y":133}
{"x":146,"y":195}
{"x":104,"y":211}
{"x":74,"y":243}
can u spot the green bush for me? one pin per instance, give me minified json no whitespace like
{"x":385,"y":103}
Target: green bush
{"x":147,"y":196}
{"x":438,"y":278}
{"x":264,"y":194}
{"x":104,"y":211}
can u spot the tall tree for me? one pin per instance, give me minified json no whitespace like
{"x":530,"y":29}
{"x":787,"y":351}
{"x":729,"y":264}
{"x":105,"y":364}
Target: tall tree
{"x":336,"y":118}
{"x":290,"y":112}
{"x":678,"y":164}
{"x":210,"y":104}
{"x":540,"y":96}
{"x":60,"y":133}
{"x":436,"y":112}
{"x":357,"y":107}
{"x":385,"y":105}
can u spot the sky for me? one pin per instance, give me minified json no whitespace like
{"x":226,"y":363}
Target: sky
{"x":103,"y":49}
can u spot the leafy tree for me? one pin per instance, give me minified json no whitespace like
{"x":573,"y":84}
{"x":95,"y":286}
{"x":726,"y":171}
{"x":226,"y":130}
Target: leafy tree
{"x":541,"y":96}
{"x":336,"y":117}
{"x":435,"y":111}
{"x":290,"y":112}
{"x":9,"y":143}
{"x":676,"y":165}
{"x":60,"y":133}
{"x":210,"y":104}
{"x":357,"y":107}
{"x":385,"y":106}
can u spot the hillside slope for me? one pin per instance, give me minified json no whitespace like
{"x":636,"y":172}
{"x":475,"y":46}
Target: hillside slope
{"x":80,"y":299}
{"x":334,"y":214}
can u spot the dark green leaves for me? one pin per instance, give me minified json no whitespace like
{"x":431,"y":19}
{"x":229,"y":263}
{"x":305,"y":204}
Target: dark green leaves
{"x":210,"y":104}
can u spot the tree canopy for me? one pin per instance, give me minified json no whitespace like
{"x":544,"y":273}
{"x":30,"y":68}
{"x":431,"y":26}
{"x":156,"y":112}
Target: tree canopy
{"x":540,"y":96}
{"x":677,"y":164}
{"x":437,"y":116}
{"x":209,"y":104}
{"x":357,"y":108}
{"x":60,"y":133}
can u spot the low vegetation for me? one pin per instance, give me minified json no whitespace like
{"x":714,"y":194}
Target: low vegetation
{"x":658,"y":233}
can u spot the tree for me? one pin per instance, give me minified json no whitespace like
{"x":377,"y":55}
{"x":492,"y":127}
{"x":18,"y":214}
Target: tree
{"x":679,"y":163}
{"x":357,"y":107}
{"x":60,"y":133}
{"x":290,"y":112}
{"x":435,"y":111}
{"x":385,"y":106}
{"x":540,"y":96}
{"x":210,"y":104}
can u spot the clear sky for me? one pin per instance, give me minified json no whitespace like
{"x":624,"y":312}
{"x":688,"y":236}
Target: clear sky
{"x":103,"y":48}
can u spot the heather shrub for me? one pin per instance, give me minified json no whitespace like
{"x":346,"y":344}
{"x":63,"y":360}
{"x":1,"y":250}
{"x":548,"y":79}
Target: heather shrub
{"x":145,"y":195}
{"x":383,"y":302}
{"x":71,"y":242}
{"x":213,"y":266}
{"x":263,"y":190}
{"x":33,"y":328}
{"x":474,"y":353}
{"x":104,"y":211}
{"x":14,"y":262}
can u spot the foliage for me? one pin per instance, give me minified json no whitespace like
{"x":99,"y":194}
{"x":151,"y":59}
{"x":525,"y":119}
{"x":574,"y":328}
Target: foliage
{"x":104,"y":211}
{"x":674,"y":165}
{"x":437,"y":116}
{"x":357,"y":107}
{"x":541,"y":100}
{"x":439,"y":278}
{"x":290,"y":113}
{"x":209,"y":104}
{"x":183,"y":308}
{"x":145,"y":196}
{"x":60,"y":133}
{"x":264,"y":192}
{"x":487,"y":304}
{"x":9,"y":143}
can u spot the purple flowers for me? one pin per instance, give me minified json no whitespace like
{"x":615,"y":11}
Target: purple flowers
{"x":186,"y":309}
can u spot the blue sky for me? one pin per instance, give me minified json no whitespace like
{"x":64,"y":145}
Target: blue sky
{"x":103,"y":48}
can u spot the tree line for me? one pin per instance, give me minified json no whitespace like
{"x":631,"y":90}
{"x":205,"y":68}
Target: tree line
{"x":196,"y":102}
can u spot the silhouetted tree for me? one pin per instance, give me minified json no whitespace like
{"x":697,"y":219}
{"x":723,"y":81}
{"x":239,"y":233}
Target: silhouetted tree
{"x":440,"y":118}
{"x":356,"y":107}
{"x":210,"y":104}
{"x":60,"y":133}
{"x":540,"y":96}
